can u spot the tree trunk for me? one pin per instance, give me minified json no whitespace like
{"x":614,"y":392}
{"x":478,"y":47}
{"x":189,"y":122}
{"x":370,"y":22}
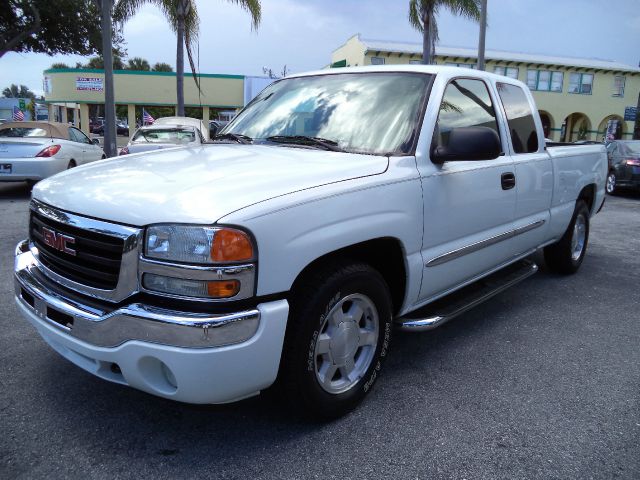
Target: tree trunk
{"x":180,"y":60}
{"x":426,"y":38}
{"x":110,"y":146}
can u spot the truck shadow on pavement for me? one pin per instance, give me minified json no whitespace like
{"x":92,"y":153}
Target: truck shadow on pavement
{"x":15,"y":191}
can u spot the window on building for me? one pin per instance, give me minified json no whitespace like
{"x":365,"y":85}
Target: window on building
{"x":511,"y":72}
{"x":581,"y":83}
{"x":466,"y":103}
{"x":522,"y":127}
{"x":618,"y":86}
{"x":544,"y":80}
{"x":461,"y":65}
{"x":415,"y":62}
{"x":377,"y":61}
{"x":557,"y":78}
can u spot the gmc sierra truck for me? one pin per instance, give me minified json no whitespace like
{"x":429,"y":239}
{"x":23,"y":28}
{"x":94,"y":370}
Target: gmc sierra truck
{"x":336,"y":206}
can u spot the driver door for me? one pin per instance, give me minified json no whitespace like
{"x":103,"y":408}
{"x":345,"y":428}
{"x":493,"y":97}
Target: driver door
{"x":469,"y":205}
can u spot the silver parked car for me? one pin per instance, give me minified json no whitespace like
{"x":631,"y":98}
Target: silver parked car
{"x":167,"y":132}
{"x":31,"y":151}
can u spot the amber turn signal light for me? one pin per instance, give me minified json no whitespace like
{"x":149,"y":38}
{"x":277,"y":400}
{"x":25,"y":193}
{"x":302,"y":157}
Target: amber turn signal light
{"x":223,"y":289}
{"x":231,"y":246}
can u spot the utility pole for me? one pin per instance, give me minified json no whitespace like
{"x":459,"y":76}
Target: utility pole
{"x":483,"y":32}
{"x":110,"y":148}
{"x":636,"y":129}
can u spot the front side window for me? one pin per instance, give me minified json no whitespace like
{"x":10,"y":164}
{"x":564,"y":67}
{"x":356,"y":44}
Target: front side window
{"x":377,"y":60}
{"x":375,"y":113}
{"x":522,"y":127}
{"x":466,"y":103}
{"x":581,"y":83}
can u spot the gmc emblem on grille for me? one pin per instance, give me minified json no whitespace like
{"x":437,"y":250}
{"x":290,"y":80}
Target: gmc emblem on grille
{"x":59,"y":241}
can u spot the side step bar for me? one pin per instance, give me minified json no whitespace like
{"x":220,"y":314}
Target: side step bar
{"x":444,"y":309}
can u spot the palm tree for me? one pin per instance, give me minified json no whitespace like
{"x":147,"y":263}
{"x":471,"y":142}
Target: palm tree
{"x":184,"y":20}
{"x":422,"y":16}
{"x":138,"y":63}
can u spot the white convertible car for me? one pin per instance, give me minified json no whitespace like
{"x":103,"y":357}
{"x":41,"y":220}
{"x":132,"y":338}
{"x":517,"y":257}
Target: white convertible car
{"x":31,"y":151}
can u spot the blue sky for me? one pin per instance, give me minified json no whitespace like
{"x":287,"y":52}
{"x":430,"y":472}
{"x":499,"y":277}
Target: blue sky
{"x":302,"y":33}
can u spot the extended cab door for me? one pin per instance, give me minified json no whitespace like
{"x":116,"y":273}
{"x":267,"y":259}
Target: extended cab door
{"x":533,"y":167}
{"x":469,"y":206}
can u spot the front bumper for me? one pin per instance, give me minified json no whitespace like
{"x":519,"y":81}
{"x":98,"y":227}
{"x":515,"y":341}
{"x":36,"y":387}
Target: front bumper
{"x":190,"y":357}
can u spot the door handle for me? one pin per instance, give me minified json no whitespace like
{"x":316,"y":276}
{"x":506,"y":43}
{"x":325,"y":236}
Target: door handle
{"x":508,"y":180}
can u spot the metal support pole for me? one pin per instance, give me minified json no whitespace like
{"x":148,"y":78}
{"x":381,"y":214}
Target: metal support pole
{"x":483,"y":31}
{"x":110,"y":148}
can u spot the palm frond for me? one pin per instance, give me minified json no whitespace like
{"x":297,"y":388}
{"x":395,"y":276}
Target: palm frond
{"x":465,"y":8}
{"x":415,"y":17}
{"x":253,"y":7}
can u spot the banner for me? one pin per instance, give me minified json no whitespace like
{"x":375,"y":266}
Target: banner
{"x":92,"y":84}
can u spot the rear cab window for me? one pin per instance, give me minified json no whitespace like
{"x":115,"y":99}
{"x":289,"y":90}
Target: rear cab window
{"x":522,"y":127}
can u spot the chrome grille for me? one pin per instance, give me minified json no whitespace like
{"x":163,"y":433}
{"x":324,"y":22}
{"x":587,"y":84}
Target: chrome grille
{"x":98,"y":256}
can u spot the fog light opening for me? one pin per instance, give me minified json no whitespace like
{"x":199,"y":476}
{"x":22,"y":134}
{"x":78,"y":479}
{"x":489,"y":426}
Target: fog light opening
{"x":169,"y":376}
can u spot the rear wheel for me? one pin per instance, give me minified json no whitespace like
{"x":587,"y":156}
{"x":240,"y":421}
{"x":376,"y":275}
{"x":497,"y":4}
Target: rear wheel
{"x":611,"y":183}
{"x":71,"y":165}
{"x":338,"y":335}
{"x":567,"y":254}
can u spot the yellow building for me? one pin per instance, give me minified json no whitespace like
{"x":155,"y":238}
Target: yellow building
{"x":578,"y":99}
{"x":70,"y":91}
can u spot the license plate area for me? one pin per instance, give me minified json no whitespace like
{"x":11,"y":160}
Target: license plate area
{"x":5,"y":167}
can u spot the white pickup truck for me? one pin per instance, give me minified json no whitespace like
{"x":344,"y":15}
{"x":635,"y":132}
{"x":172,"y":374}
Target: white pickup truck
{"x":336,"y":205}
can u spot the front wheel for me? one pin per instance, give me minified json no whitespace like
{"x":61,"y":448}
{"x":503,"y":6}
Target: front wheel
{"x":338,"y":335}
{"x":566,"y":255}
{"x":611,"y":183}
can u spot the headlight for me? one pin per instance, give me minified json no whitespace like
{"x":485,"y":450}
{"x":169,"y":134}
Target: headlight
{"x":198,"y":262}
{"x":199,"y":245}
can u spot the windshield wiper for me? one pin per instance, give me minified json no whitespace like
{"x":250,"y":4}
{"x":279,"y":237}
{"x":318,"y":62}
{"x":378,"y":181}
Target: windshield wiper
{"x":304,"y":140}
{"x":238,"y":137}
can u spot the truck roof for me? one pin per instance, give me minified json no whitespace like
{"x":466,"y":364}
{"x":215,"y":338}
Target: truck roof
{"x":432,"y":69}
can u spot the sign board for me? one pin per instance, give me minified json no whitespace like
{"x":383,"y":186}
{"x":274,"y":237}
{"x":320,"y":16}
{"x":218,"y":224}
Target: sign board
{"x":92,"y":84}
{"x":46,"y":84}
{"x":630,"y":114}
{"x":21,"y":104}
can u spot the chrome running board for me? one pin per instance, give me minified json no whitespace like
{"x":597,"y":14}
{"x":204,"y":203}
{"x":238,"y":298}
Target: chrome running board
{"x":444,"y":309}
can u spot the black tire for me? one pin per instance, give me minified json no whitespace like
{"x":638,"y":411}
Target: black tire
{"x":611,"y":183}
{"x":562,"y":256}
{"x":333,"y":288}
{"x":72,"y":164}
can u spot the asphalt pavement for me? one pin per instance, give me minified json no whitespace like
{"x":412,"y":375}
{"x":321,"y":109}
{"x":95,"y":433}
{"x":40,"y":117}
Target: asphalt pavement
{"x":542,"y":381}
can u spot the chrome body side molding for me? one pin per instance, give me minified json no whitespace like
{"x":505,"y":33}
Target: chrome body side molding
{"x":474,"y":247}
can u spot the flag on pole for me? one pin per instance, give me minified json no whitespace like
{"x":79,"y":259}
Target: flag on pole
{"x":147,"y":119}
{"x":18,"y":115}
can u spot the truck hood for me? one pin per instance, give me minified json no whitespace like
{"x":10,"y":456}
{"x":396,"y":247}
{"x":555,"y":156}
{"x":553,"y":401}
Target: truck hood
{"x":197,"y":185}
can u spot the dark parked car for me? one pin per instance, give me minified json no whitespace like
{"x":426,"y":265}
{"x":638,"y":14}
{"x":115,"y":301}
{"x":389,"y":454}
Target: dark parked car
{"x":95,"y":124}
{"x":215,"y":126}
{"x":624,"y":165}
{"x":121,"y":127}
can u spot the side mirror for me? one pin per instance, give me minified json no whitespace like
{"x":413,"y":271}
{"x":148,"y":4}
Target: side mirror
{"x":96,"y":141}
{"x":468,"y":143}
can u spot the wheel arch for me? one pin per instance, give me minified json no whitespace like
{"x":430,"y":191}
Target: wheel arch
{"x":588,"y":194}
{"x":384,"y":254}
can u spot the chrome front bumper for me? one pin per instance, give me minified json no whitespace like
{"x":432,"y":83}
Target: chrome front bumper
{"x":132,"y":322}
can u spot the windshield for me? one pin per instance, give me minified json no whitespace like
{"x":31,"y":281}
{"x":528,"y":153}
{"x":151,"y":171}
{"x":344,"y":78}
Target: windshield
{"x":374,"y":113}
{"x":164,"y":135}
{"x":18,"y":132}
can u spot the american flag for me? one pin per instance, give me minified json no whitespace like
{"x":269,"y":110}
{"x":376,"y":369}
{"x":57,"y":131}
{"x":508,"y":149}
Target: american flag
{"x":18,"y":115}
{"x":146,"y":118}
